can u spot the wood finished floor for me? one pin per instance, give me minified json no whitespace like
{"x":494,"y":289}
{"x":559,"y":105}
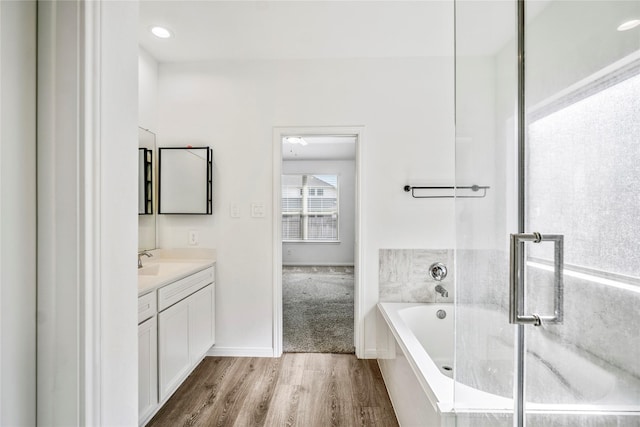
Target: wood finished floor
{"x":298,"y":389}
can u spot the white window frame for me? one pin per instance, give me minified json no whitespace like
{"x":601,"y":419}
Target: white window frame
{"x":337,"y":213}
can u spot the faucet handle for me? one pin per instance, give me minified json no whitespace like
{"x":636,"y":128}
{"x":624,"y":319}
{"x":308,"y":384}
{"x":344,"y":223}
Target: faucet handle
{"x":438,"y":271}
{"x":147,"y":254}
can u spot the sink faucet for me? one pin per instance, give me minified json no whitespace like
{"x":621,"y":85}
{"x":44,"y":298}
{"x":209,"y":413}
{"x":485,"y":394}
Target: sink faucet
{"x":442,"y":291}
{"x":145,"y":253}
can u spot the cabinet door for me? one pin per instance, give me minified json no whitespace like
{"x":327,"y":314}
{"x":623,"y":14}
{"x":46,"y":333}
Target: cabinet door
{"x":173,"y":357}
{"x":201,"y":323}
{"x":147,"y":368}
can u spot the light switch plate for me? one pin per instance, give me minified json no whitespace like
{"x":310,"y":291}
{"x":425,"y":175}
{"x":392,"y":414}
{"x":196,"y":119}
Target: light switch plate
{"x":257,"y":210}
{"x":193,"y":238}
{"x":234,"y":210}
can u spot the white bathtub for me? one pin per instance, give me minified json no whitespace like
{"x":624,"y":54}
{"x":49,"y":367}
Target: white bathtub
{"x":417,"y":347}
{"x":418,"y":389}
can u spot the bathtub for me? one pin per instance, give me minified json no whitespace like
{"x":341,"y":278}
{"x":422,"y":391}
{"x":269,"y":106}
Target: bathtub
{"x":417,"y":364}
{"x":416,"y":359}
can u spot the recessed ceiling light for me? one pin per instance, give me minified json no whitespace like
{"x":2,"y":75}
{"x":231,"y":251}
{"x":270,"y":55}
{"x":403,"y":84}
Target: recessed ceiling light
{"x":161,"y":32}
{"x":296,"y":140}
{"x":629,"y":25}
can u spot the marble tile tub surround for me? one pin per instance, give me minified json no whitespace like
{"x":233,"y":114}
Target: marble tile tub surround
{"x":404,"y":275}
{"x":600,"y":321}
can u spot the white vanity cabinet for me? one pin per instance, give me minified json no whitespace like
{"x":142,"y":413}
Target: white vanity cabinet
{"x":201,"y":323}
{"x":173,"y":338}
{"x":147,"y":368}
{"x":185,"y":329}
{"x":147,"y":356}
{"x":176,"y":327}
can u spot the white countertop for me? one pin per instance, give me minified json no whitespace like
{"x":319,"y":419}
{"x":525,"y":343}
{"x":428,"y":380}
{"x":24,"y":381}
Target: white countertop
{"x":168,"y":265}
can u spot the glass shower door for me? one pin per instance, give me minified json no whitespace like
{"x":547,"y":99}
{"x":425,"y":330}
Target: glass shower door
{"x":485,"y":108}
{"x":570,"y":172}
{"x":579,"y":175}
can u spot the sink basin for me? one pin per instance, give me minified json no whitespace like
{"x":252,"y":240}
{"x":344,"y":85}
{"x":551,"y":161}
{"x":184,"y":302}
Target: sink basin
{"x":150,"y":270}
{"x":162,"y":269}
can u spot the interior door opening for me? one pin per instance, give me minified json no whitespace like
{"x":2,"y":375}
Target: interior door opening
{"x":318,"y":243}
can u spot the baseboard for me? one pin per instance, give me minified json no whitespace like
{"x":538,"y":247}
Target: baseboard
{"x":385,"y":354}
{"x":241,"y":351}
{"x":370,"y":353}
{"x":317,"y":264}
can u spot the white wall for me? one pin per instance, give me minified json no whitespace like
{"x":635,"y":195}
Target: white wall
{"x":478,"y":219}
{"x":406,"y":108}
{"x":147,"y":91}
{"x":340,"y":253}
{"x":562,"y":50}
{"x":17,"y":213}
{"x":118,"y":275}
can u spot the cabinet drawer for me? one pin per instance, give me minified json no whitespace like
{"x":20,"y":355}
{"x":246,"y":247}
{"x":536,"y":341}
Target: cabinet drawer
{"x":171,"y":294}
{"x":147,"y":306}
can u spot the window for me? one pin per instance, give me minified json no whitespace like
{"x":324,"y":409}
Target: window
{"x":310,"y":208}
{"x":583,"y":158}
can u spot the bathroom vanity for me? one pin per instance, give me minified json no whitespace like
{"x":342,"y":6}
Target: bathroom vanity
{"x":176,"y":322}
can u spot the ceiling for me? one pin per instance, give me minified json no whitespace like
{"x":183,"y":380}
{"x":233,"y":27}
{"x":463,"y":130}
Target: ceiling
{"x":321,"y":148}
{"x":246,"y":30}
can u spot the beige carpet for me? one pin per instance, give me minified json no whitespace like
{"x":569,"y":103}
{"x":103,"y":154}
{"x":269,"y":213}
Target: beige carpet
{"x":317,"y":309}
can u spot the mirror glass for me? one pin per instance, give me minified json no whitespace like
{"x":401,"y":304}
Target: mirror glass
{"x":185,"y":180}
{"x":145,"y":183}
{"x":146,"y":190}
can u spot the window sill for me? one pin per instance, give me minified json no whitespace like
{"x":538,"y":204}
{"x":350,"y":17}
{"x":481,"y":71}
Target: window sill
{"x":312,"y":241}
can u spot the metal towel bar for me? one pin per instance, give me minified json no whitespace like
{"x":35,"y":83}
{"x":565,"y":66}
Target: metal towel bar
{"x":474,"y":188}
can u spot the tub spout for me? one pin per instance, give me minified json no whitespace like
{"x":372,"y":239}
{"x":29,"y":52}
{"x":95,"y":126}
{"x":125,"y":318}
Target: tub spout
{"x":442,"y":291}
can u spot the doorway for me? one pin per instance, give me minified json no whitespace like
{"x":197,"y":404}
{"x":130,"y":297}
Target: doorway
{"x":316,"y":218}
{"x":318,"y":204}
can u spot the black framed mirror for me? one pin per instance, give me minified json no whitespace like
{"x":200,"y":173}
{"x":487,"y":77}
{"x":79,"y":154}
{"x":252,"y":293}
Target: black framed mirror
{"x":147,"y":189}
{"x":145,"y":181}
{"x":185,"y":180}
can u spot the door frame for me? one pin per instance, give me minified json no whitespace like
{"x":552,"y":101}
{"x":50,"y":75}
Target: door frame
{"x":87,"y":240}
{"x":278,"y":134}
{"x":18,"y":221}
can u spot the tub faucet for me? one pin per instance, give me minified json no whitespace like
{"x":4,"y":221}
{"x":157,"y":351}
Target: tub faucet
{"x":145,"y":253}
{"x":442,"y":291}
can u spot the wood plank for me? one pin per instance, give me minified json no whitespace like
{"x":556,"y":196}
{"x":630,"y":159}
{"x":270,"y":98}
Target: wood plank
{"x":368,"y":387}
{"x":232,"y":398}
{"x":260,"y":394}
{"x":299,"y":389}
{"x":375,"y":416}
{"x":284,"y":406}
{"x":197,"y":392}
{"x":292,"y":367}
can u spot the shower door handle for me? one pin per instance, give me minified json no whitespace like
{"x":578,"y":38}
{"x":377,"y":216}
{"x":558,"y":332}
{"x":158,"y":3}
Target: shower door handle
{"x":516,"y":279}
